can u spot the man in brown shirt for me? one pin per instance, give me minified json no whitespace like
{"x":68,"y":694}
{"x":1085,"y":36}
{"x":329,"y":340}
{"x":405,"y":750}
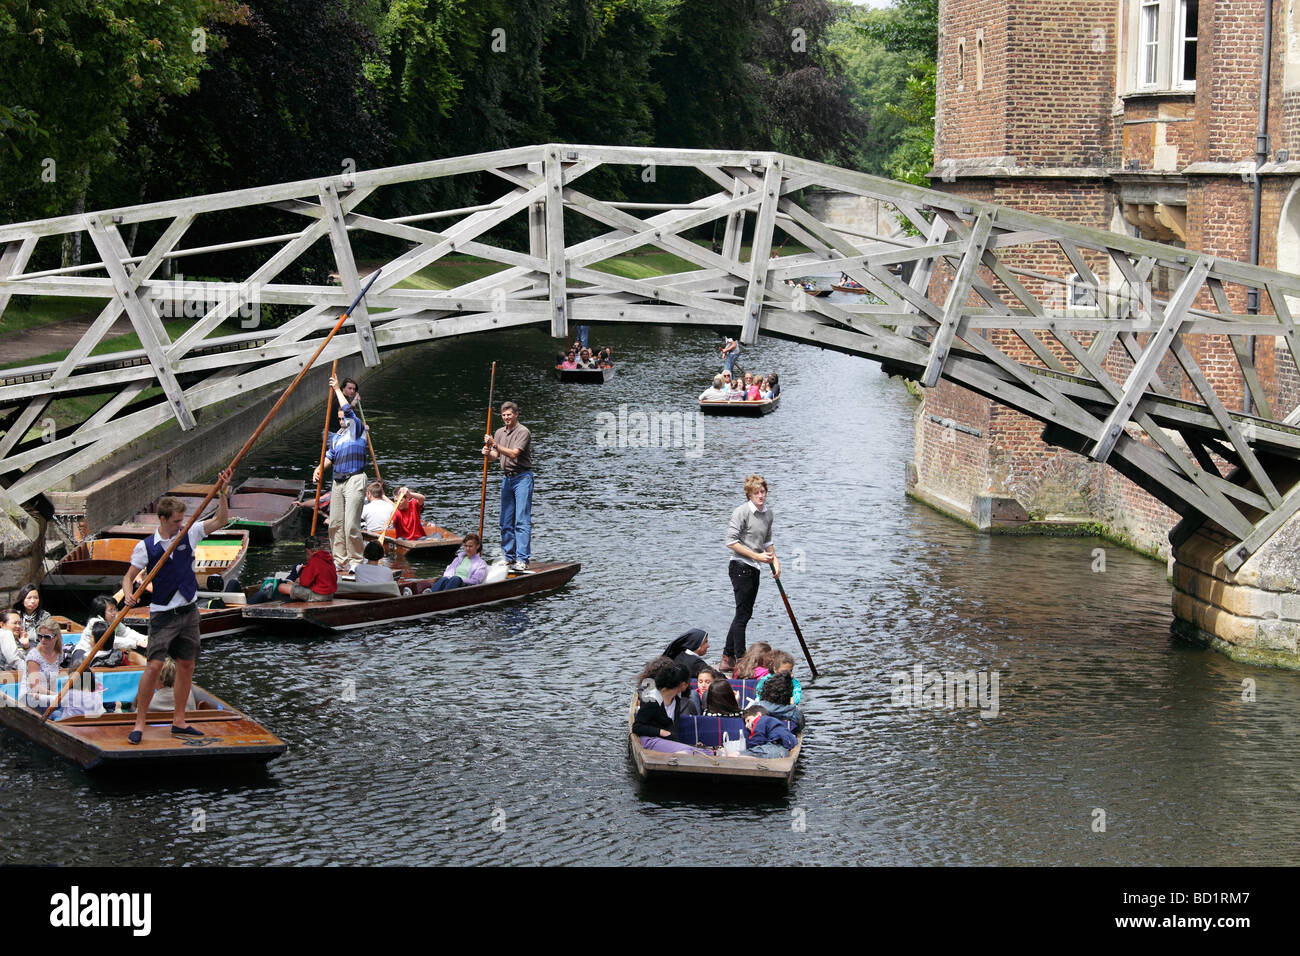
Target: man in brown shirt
{"x":512,"y":445}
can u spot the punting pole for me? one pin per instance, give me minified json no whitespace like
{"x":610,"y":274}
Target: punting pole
{"x":216,"y":488}
{"x":320,"y":468}
{"x":797,"y":633}
{"x":391,"y":518}
{"x":482,"y":498}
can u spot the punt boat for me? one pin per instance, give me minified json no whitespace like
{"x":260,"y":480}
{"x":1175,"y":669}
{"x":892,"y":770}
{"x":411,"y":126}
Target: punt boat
{"x":740,"y":408}
{"x":99,"y":741}
{"x":585,"y":376}
{"x":436,"y":541}
{"x":360,"y":609}
{"x":267,"y":508}
{"x":710,"y":733}
{"x":99,"y":564}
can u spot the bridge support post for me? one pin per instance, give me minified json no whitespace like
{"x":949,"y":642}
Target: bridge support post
{"x":557,"y":277}
{"x":1251,"y":614}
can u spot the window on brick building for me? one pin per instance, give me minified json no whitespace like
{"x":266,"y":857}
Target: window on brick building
{"x":961,"y":65}
{"x":1149,"y":44}
{"x":1185,"y":44}
{"x":1080,"y":294}
{"x":979,"y":63}
{"x":1161,"y":38}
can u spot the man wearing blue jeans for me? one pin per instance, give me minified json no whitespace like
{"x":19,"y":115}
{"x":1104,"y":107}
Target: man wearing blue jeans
{"x":512,"y":445}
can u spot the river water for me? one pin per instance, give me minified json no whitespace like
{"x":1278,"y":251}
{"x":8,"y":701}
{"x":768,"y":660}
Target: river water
{"x":500,"y":735}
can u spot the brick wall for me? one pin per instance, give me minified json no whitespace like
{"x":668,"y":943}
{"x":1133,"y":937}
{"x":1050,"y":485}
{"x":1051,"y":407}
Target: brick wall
{"x":1061,"y":65}
{"x":1047,"y":98}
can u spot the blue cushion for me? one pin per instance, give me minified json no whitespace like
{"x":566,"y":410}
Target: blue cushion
{"x":708,"y":731}
{"x":120,"y":686}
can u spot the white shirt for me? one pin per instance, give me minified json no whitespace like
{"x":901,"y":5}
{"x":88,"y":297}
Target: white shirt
{"x":375,"y":515}
{"x":140,"y":559}
{"x":10,"y":652}
{"x":124,"y":638}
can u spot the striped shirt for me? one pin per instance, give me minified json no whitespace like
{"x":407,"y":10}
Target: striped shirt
{"x":347,"y":452}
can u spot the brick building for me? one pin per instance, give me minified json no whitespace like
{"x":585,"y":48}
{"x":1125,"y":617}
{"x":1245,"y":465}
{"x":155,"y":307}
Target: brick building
{"x":1135,"y":116}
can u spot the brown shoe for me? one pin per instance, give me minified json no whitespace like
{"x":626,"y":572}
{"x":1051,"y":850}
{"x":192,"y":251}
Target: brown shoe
{"x":727,"y":664}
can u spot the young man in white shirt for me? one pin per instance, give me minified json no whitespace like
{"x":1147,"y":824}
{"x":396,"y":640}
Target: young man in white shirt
{"x":173,"y":615}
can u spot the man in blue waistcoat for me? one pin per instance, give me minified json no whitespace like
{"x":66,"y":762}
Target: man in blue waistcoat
{"x":173,"y":615}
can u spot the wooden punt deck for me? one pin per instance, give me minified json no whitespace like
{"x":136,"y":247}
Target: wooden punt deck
{"x":652,"y":764}
{"x":230,"y":736}
{"x":307,"y":618}
{"x":741,"y":409}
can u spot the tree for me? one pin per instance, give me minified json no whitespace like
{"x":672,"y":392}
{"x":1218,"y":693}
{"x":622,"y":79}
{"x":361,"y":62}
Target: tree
{"x":876,"y":76}
{"x":912,"y":27}
{"x":77,"y":69}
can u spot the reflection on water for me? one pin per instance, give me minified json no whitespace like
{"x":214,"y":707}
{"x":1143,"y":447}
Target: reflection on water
{"x":499,"y":735}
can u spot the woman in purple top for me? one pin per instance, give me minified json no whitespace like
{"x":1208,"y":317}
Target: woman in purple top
{"x":468,"y":567}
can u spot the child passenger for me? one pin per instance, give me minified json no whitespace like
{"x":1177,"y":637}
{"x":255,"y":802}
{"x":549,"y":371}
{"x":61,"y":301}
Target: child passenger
{"x":780,"y":662}
{"x":721,"y":701}
{"x":317,"y":581}
{"x":753,"y":659}
{"x":370,"y":571}
{"x":768,"y":737}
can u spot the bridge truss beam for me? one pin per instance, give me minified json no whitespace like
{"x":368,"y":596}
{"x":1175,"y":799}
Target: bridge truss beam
{"x":1069,"y":325}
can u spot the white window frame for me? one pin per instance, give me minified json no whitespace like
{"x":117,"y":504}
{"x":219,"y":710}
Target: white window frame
{"x":1156,"y":37}
{"x":1148,"y":44}
{"x":1180,"y":46}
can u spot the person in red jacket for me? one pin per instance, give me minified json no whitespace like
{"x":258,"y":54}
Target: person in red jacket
{"x":317,"y":581}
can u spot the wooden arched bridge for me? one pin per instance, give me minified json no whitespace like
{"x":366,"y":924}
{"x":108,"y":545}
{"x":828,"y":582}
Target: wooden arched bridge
{"x":1133,"y":353}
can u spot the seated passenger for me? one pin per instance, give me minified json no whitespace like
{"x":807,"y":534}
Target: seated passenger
{"x":737,"y":391}
{"x":715,"y":392}
{"x":43,"y":663}
{"x":29,"y":606}
{"x":753,"y":390}
{"x":85,"y":698}
{"x":585,"y":360}
{"x":407,"y":521}
{"x":764,"y":393}
{"x":752,"y":660}
{"x":689,"y":650}
{"x":721,"y":700}
{"x":13,"y":649}
{"x":706,"y":676}
{"x":780,"y":662}
{"x":370,"y":571}
{"x":605,"y":357}
{"x":569,"y":361}
{"x":661,"y":703}
{"x":164,"y":698}
{"x":318,"y":579}
{"x":102,"y":610}
{"x":378,"y":509}
{"x":774,"y":385}
{"x":775,"y":697}
{"x":768,"y":737}
{"x":468,"y":567}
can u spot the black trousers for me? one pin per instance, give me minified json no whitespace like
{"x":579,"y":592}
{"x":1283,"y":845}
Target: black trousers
{"x":744,"y":584}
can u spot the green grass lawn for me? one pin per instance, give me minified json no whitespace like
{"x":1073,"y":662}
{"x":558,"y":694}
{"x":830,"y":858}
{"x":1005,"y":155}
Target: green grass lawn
{"x":25,"y":312}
